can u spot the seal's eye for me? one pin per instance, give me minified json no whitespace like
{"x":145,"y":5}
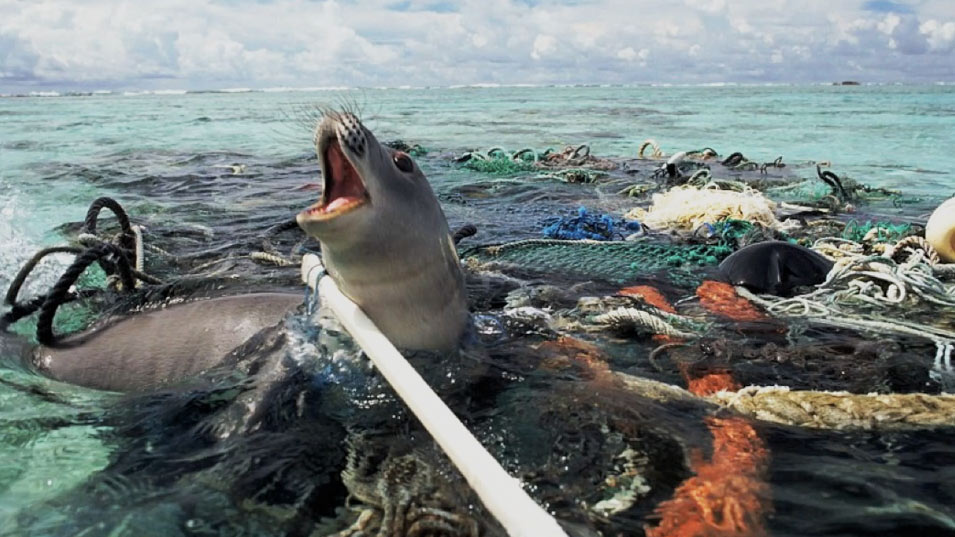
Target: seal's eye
{"x":403,"y":162}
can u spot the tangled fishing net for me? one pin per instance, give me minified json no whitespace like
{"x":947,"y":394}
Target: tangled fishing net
{"x":499,"y":161}
{"x":576,"y":156}
{"x":585,"y":225}
{"x":866,"y":291}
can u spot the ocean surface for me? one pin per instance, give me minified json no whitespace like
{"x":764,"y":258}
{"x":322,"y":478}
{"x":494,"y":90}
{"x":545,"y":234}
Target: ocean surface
{"x":208,"y":173}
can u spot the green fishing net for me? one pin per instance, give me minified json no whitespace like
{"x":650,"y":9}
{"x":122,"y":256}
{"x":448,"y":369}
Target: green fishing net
{"x":885,"y":231}
{"x":499,"y":165}
{"x":616,"y":262}
{"x":806,"y":190}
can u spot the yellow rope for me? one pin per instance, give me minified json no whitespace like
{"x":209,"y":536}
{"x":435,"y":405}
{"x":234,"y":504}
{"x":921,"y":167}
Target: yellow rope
{"x":656,"y":153}
{"x":840,"y":410}
{"x":688,"y":207}
{"x":813,"y":409}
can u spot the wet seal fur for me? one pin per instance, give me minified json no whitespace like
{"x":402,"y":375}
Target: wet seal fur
{"x":156,"y":348}
{"x":775,"y":267}
{"x":385,"y":239}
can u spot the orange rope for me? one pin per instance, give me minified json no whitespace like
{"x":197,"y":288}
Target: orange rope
{"x":650,"y":295}
{"x":729,"y":495}
{"x":713,"y":382}
{"x":566,"y":352}
{"x":721,"y":298}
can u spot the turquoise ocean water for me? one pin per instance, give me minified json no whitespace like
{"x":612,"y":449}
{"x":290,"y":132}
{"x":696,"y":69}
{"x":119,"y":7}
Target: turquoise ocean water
{"x":891,"y":136}
{"x":168,"y":158}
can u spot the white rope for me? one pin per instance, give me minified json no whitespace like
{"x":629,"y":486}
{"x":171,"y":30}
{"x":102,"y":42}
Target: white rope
{"x":634,"y":319}
{"x":266,"y":257}
{"x":806,"y":308}
{"x":140,"y":261}
{"x":500,"y":493}
{"x":942,"y":370}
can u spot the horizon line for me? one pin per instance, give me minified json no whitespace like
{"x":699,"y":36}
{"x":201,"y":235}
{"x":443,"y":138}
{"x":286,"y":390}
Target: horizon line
{"x":480,"y":85}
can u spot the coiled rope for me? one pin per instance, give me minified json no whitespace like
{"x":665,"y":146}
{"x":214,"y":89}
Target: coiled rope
{"x":61,"y":290}
{"x":649,"y":143}
{"x":112,"y":256}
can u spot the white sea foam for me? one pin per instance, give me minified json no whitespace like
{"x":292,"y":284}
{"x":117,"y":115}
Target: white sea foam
{"x":19,"y":245}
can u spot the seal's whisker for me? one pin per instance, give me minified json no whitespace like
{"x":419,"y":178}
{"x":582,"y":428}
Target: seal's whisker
{"x":348,"y":104}
{"x":294,"y":120}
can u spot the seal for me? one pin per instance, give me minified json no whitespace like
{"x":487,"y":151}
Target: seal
{"x":775,"y":267}
{"x":156,"y":348}
{"x":385,"y":239}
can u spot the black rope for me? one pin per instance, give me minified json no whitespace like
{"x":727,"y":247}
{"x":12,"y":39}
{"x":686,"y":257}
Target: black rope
{"x":275,"y":230}
{"x":14,"y":290}
{"x":834,"y":182}
{"x":778,"y":163}
{"x":60,"y":292}
{"x":733,"y":159}
{"x":92,"y":214}
{"x":577,"y":153}
{"x":463,"y":232}
{"x":127,"y":237}
{"x":21,"y":310}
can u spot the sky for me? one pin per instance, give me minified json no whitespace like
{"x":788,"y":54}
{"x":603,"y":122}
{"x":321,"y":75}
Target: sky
{"x":76,"y":45}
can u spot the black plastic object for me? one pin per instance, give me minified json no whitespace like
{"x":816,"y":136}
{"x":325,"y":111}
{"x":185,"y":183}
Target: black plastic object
{"x":775,"y":267}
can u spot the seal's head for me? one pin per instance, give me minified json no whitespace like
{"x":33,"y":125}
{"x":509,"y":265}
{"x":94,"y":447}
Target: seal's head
{"x":364,"y":182}
{"x":384,"y":238}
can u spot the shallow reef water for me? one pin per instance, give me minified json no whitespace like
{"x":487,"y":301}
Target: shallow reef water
{"x":575,"y":404}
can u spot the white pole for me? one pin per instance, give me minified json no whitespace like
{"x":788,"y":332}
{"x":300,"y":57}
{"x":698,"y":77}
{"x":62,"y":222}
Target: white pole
{"x":500,"y":493}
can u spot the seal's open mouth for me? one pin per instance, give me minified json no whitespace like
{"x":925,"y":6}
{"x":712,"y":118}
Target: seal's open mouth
{"x":344,"y":190}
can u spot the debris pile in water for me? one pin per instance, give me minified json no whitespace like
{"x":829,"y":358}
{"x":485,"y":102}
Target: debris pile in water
{"x":642,"y":299}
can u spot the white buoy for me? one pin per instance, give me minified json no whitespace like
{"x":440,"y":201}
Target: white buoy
{"x":500,"y":493}
{"x":940,"y":230}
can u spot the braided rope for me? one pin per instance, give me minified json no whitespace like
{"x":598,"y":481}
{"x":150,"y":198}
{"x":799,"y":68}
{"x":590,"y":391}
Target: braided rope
{"x":812,"y":408}
{"x":275,"y":259}
{"x":635,"y":319}
{"x":61,"y":290}
{"x":14,"y":290}
{"x":656,"y":153}
{"x":840,"y":410}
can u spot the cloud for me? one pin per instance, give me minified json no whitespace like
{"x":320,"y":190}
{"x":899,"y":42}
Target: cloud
{"x":258,"y":43}
{"x":940,"y":37}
